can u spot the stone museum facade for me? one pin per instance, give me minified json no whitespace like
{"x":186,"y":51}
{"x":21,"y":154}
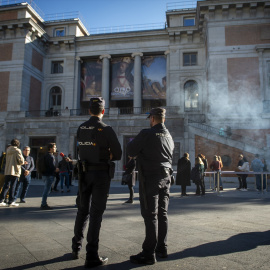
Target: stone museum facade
{"x":209,"y":66}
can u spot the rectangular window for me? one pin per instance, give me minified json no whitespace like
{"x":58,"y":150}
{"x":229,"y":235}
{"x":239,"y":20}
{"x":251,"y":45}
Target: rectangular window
{"x":189,"y":21}
{"x":57,"y":67}
{"x":190,"y":59}
{"x":59,"y":32}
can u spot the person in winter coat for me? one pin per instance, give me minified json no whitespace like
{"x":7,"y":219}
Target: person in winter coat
{"x":183,"y":173}
{"x":64,"y":168}
{"x":14,"y":160}
{"x":129,"y":170}
{"x":205,"y":163}
{"x":221,"y":166}
{"x":257,"y":166}
{"x":25,"y":177}
{"x":216,"y":167}
{"x":244,"y":168}
{"x":240,"y":163}
{"x":199,"y":166}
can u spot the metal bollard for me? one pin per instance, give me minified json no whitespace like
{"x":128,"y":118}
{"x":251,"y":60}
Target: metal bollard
{"x":262,"y":182}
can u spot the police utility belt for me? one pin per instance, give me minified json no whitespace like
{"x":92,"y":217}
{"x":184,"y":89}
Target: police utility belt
{"x":84,"y":167}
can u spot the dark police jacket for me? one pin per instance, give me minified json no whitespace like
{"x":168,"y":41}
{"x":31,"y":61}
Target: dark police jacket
{"x":153,"y":148}
{"x":29,"y":167}
{"x":96,"y":141}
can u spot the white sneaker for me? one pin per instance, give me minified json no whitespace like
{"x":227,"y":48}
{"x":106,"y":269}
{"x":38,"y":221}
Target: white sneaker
{"x":14,"y":204}
{"x":3,"y":204}
{"x":244,"y":189}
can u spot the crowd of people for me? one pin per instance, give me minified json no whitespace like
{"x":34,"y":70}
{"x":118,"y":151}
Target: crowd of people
{"x":17,"y":167}
{"x":186,"y":174}
{"x":98,"y":147}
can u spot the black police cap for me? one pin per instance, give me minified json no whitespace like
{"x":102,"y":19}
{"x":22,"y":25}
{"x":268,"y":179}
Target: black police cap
{"x":157,"y":111}
{"x":97,"y":102}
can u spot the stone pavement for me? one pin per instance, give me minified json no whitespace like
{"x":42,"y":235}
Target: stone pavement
{"x":230,"y":230}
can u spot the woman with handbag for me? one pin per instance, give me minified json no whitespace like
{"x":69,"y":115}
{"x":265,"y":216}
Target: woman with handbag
{"x":129,"y":177}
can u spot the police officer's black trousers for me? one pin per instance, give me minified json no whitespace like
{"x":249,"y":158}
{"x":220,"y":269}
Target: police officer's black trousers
{"x":155,"y":216}
{"x":91,"y":205}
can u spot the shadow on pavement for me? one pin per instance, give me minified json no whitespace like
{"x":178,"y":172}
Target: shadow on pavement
{"x":65,"y":257}
{"x":237,"y":243}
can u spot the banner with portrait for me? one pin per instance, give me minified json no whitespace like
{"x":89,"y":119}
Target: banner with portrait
{"x":122,"y":82}
{"x":91,"y":78}
{"x":154,"y":77}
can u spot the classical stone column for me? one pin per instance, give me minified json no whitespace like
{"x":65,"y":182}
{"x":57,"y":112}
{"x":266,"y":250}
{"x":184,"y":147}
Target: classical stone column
{"x":76,"y":94}
{"x":137,"y":99}
{"x":105,"y":92}
{"x":168,"y":101}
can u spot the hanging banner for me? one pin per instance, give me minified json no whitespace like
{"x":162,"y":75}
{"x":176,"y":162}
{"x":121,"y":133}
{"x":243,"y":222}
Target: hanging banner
{"x":122,"y":84}
{"x":91,"y":75}
{"x":154,"y":77}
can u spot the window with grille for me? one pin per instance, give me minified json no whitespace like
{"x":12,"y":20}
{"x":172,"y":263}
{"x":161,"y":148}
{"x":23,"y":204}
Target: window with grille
{"x":189,"y":21}
{"x":56,"y":98}
{"x":190,"y":59}
{"x":191,"y":95}
{"x":57,"y":67}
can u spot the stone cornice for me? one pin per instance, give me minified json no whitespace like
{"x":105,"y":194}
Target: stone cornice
{"x":207,"y":10}
{"x":262,"y":48}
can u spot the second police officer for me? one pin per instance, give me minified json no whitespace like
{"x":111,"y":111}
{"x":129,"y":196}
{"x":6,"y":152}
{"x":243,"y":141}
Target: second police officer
{"x":98,"y":145}
{"x":154,"y":150}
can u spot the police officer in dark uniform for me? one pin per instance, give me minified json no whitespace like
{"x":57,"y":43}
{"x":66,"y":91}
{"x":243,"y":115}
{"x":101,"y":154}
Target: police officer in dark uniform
{"x":98,"y":145}
{"x":154,"y":150}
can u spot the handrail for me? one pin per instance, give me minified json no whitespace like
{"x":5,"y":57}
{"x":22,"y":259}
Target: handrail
{"x":43,"y":113}
{"x":219,"y":173}
{"x":186,"y":4}
{"x":127,"y":28}
{"x":144,"y":110}
{"x":226,"y":134}
{"x":19,"y":2}
{"x":225,"y":172}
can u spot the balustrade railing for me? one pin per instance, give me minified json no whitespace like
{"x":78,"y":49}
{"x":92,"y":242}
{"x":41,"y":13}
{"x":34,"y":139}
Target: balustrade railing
{"x":43,"y":113}
{"x":84,"y":111}
{"x":77,"y":112}
{"x":227,"y":133}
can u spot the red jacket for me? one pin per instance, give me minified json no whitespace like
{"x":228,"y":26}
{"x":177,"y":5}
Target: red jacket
{"x":215,"y":165}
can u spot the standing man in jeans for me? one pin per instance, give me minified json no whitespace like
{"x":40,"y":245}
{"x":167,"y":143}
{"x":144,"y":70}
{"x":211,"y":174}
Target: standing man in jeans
{"x":49,"y":175}
{"x":14,"y":160}
{"x":25,"y":177}
{"x":257,"y":166}
{"x":154,"y":150}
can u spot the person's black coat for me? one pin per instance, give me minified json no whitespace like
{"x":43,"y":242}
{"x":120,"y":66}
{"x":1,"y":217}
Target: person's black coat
{"x":183,"y":172}
{"x":130,"y":167}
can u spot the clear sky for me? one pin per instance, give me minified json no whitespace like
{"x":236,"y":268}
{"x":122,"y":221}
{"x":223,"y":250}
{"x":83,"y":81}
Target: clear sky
{"x":107,"y":13}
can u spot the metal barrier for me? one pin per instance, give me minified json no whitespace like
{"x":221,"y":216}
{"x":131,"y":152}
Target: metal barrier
{"x":234,"y":172}
{"x":118,"y":176}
